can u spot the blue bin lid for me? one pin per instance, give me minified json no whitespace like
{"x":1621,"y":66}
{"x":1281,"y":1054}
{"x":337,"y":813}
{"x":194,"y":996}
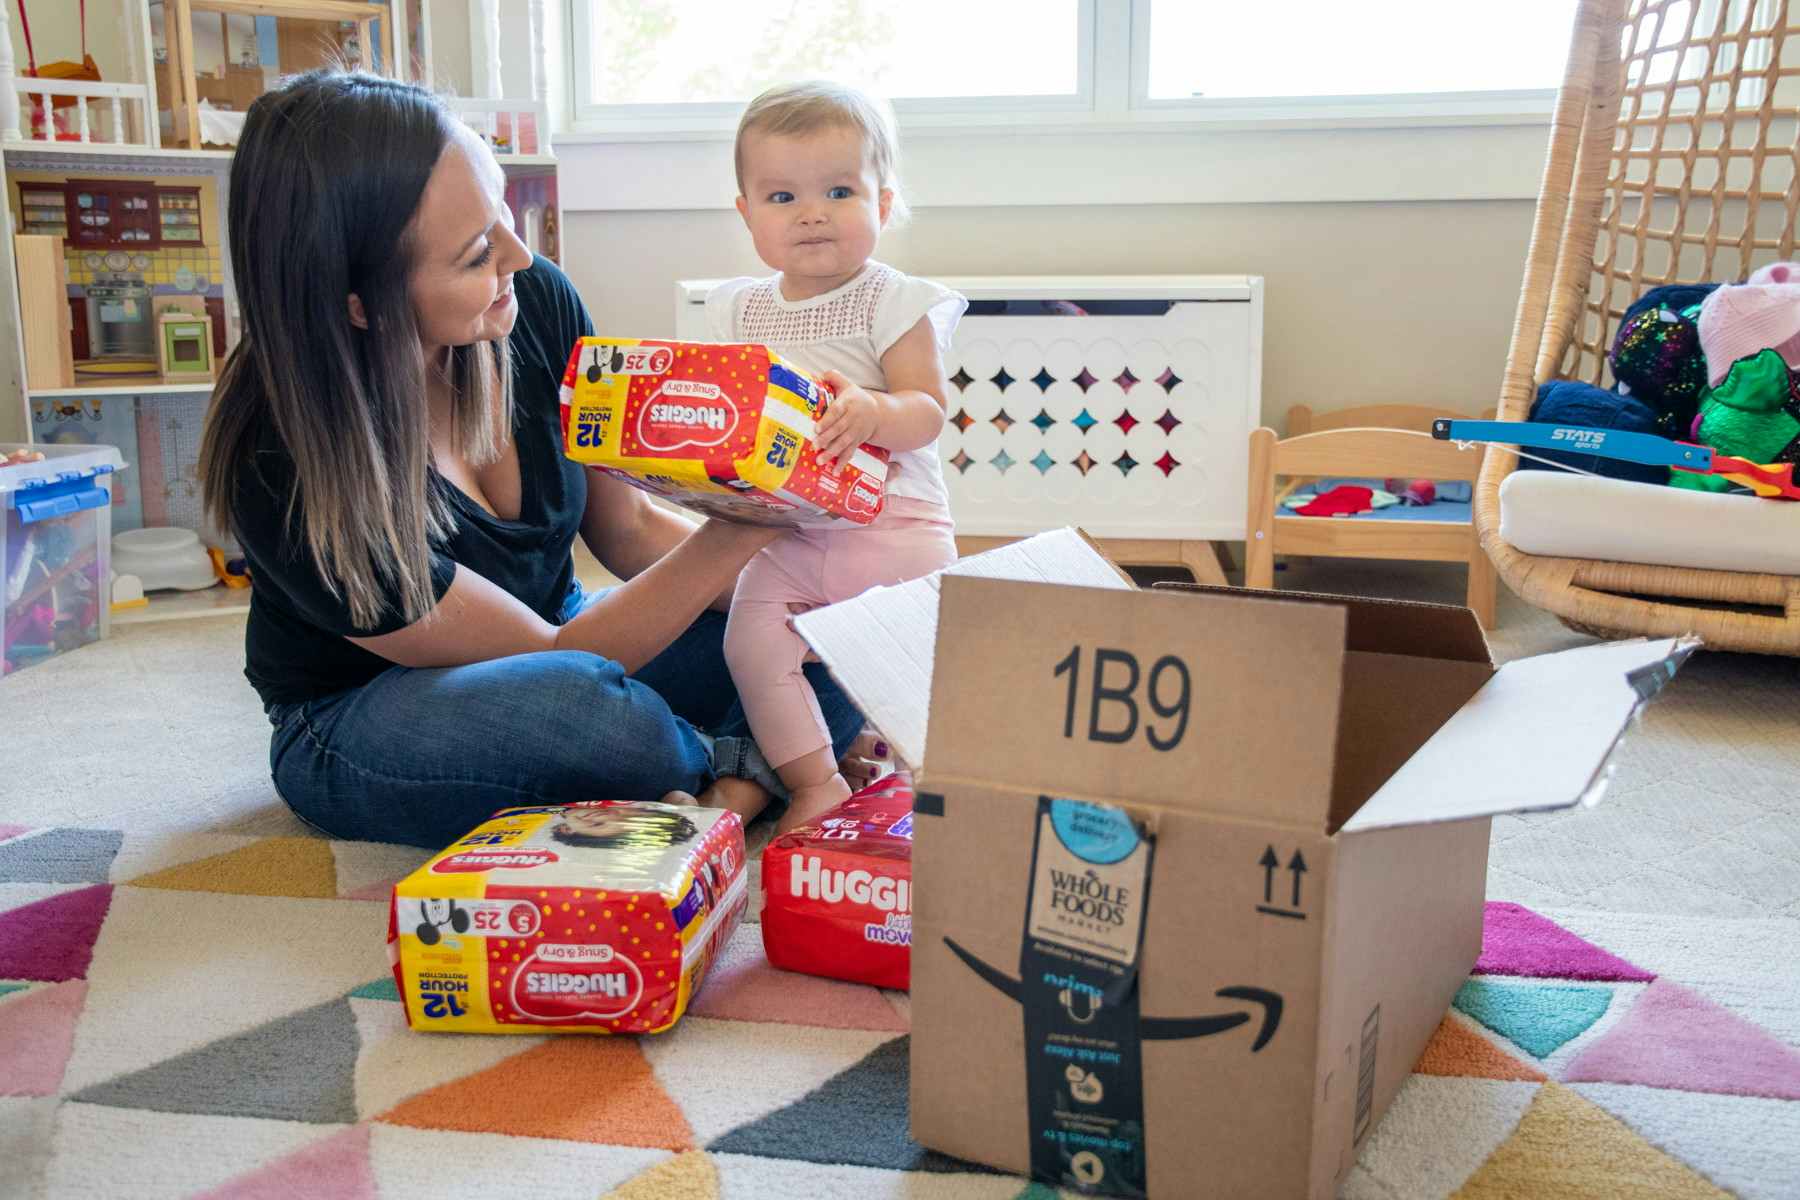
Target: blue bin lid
{"x":62,"y":468}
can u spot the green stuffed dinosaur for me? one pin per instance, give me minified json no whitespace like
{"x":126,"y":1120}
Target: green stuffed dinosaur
{"x":1753,"y":414}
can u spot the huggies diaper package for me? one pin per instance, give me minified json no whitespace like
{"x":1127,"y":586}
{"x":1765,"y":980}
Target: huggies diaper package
{"x":724,"y":429}
{"x":837,"y":893}
{"x":576,"y":918}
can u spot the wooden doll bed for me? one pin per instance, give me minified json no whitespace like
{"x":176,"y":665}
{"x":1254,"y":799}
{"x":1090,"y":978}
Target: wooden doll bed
{"x":1363,"y":443}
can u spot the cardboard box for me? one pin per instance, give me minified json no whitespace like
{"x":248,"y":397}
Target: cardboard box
{"x":1197,"y":875}
{"x":724,"y":429}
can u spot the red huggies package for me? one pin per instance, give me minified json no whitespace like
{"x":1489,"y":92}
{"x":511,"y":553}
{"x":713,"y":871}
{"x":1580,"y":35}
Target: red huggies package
{"x":837,"y":893}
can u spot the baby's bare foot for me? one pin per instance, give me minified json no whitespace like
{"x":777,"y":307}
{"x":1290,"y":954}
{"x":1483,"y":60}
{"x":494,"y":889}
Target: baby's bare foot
{"x":744,"y":797}
{"x":812,"y":802}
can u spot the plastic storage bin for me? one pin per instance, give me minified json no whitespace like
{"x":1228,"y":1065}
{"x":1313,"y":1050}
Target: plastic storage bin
{"x":55,"y":552}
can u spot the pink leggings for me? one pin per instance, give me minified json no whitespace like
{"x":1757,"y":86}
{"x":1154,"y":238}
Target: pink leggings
{"x":807,"y":569}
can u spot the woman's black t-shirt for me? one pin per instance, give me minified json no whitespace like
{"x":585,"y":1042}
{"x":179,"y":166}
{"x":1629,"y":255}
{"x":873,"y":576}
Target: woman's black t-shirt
{"x":295,"y":644}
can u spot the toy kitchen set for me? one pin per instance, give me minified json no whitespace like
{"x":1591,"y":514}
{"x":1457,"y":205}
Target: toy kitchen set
{"x":134,"y":263}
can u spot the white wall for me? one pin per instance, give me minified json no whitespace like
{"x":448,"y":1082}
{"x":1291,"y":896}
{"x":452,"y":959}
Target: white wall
{"x":1366,"y":303}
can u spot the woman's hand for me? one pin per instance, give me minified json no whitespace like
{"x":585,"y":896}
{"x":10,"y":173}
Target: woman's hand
{"x":851,"y":418}
{"x":477,"y":620}
{"x":636,"y":621}
{"x":739,"y":540}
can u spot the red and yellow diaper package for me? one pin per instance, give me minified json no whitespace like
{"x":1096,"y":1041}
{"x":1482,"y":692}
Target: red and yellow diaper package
{"x":576,"y":918}
{"x":724,"y":429}
{"x":837,"y":892}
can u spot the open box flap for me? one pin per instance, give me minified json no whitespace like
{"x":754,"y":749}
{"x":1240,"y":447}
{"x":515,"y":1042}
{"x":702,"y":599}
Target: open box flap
{"x":1221,"y":705}
{"x":1536,"y":736}
{"x":880,"y":645}
{"x":1434,"y":655}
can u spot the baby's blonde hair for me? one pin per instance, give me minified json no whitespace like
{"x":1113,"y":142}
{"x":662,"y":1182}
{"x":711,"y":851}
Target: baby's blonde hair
{"x":797,"y":109}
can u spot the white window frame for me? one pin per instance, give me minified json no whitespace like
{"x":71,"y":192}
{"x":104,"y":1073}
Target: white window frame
{"x":1113,"y":81}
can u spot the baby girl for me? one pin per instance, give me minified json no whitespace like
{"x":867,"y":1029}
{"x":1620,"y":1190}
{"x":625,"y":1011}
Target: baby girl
{"x":816,"y":174}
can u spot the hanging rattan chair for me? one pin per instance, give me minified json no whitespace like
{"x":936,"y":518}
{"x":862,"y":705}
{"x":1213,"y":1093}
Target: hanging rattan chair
{"x":1672,"y":160}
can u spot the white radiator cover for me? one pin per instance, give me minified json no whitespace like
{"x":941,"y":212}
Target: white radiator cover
{"x":1066,"y":420}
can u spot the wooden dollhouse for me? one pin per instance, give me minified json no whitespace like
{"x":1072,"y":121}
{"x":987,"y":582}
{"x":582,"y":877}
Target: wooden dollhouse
{"x":119,"y":304}
{"x":309,"y":33}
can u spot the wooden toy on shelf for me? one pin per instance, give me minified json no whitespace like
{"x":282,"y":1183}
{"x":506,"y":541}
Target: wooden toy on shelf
{"x":184,"y":346}
{"x":44,"y":320}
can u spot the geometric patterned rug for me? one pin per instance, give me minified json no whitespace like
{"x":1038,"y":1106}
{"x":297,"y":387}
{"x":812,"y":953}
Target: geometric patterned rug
{"x":214,"y":1016}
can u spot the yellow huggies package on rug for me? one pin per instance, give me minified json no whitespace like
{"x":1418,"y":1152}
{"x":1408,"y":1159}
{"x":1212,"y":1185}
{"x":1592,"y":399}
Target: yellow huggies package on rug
{"x":726,"y":430}
{"x":574,"y":918}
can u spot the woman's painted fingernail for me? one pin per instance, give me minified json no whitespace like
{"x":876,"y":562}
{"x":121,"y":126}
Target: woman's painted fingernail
{"x":881,"y":749}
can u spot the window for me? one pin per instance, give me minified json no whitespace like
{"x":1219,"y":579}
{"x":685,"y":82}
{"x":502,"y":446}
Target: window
{"x":1204,"y":50}
{"x":646,"y":66}
{"x":662,"y":58}
{"x":1674,"y":48}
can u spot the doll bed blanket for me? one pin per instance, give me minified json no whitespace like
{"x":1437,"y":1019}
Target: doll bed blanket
{"x":1452,"y":504}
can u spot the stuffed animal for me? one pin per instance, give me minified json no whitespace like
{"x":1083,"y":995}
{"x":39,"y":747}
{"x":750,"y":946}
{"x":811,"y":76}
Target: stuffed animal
{"x":1414,"y":493}
{"x":1753,"y":413}
{"x":1570,"y":402}
{"x":1742,"y":320}
{"x":1657,"y":358}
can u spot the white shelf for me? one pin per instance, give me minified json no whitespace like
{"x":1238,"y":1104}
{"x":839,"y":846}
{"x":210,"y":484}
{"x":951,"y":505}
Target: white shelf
{"x":217,"y":601}
{"x":110,"y":150}
{"x":80,"y":150}
{"x":124,"y":388}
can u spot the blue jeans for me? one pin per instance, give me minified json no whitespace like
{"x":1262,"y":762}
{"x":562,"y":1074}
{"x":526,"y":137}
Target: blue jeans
{"x":423,"y":756}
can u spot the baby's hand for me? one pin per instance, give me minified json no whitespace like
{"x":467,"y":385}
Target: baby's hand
{"x":849,"y":421}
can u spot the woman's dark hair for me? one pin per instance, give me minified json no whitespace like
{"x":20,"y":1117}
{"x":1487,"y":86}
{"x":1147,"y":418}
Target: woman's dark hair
{"x":324,"y":185}
{"x":643,"y":827}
